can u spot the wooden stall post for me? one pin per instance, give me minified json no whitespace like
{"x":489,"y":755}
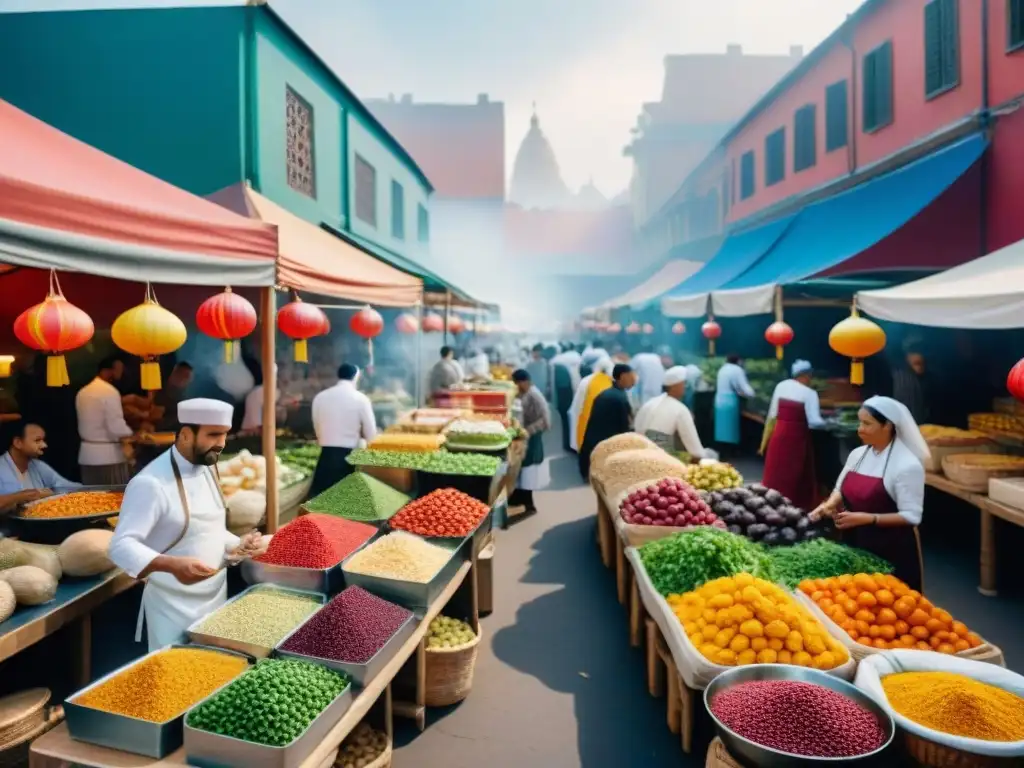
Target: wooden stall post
{"x":636,"y":612}
{"x":420,"y":400}
{"x":655,"y":667}
{"x":268,"y":305}
{"x":987,"y":587}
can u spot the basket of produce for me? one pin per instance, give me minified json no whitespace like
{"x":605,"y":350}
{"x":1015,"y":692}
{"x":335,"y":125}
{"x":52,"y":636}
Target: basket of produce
{"x":952,"y":711}
{"x":628,"y":441}
{"x":950,"y":437}
{"x":762,"y":514}
{"x":627,"y":468}
{"x":719,"y":757}
{"x":1008,"y":405}
{"x":358,"y":497}
{"x":451,"y":660}
{"x":446,"y":514}
{"x":427,"y":420}
{"x":782,"y":715}
{"x":713,"y":476}
{"x":52,"y":519}
{"x":406,"y":442}
{"x":365,"y":747}
{"x":653,"y":510}
{"x":973,"y":471}
{"x":486,"y":435}
{"x":24,"y":716}
{"x":871,"y":613}
{"x":1001,"y":426}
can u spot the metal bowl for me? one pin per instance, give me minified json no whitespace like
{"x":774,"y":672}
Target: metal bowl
{"x":759,"y":756}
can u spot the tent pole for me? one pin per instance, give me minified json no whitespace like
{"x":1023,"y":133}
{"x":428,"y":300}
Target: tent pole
{"x":419,"y":355}
{"x":268,"y":304}
{"x":447,"y":313}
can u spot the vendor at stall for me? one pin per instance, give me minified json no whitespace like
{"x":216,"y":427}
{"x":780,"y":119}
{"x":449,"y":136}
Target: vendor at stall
{"x":668,"y":422}
{"x":172,"y":529}
{"x":445,"y":374}
{"x":24,"y":476}
{"x":878,"y":501}
{"x":342,"y":417}
{"x":590,"y":386}
{"x":732,"y":384}
{"x":612,"y":414}
{"x":650,"y":372}
{"x":102,"y":427}
{"x":535,"y":474}
{"x":789,"y":452}
{"x":252,"y":418}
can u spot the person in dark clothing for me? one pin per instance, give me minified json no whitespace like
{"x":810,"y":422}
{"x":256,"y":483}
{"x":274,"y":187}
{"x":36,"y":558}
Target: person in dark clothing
{"x":563,"y":399}
{"x":911,"y":385}
{"x":612,"y":414}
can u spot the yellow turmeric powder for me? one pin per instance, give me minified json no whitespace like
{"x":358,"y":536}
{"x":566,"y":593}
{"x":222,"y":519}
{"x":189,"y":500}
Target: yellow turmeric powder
{"x":957,"y":705}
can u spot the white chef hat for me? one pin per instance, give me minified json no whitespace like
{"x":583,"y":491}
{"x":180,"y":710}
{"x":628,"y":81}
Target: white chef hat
{"x":604,"y":364}
{"x":801,"y":366}
{"x":206,"y":412}
{"x":907,"y":430}
{"x":675,"y":375}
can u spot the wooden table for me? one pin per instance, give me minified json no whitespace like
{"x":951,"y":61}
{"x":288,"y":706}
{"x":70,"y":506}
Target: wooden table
{"x":57,"y":749}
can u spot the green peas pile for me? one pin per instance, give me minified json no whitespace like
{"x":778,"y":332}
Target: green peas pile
{"x":273,"y":703}
{"x":438,"y":462}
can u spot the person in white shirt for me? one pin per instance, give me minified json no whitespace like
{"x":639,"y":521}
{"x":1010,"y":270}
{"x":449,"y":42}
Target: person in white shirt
{"x":585,"y":394}
{"x":172,"y":529}
{"x":342,"y":417}
{"x":252,"y":419}
{"x":102,"y":428}
{"x":24,"y":476}
{"x":731,"y":385}
{"x":789,"y":450}
{"x":668,"y":422}
{"x":445,"y":373}
{"x":878,"y":501}
{"x":651,"y":372}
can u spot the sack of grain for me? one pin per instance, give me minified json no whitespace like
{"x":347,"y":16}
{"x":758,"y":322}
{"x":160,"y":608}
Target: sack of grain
{"x":627,"y":468}
{"x":629,"y":441}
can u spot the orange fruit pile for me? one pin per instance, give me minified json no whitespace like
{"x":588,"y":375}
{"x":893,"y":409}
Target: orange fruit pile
{"x":882,"y":612}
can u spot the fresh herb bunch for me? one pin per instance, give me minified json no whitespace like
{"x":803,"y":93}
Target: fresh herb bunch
{"x":682,"y":562}
{"x":823,"y":559}
{"x":273,"y":703}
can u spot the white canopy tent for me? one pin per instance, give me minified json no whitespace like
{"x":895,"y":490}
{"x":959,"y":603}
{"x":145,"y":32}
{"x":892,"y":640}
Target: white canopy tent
{"x":665,"y":279}
{"x":984,"y":294}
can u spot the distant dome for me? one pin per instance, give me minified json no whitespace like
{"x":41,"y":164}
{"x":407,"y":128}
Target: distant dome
{"x":536,"y":180}
{"x":590,"y":197}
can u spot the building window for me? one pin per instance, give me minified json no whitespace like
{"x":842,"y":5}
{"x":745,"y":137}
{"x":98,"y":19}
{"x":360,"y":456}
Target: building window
{"x":775,"y":157}
{"x":941,"y":47}
{"x":423,"y":223}
{"x":397,"y":211}
{"x":878,"y":88}
{"x":299,"y":144}
{"x":366,"y":192}
{"x":726,"y":194}
{"x":837,"y":116}
{"x":805,"y":147}
{"x":747,"y":175}
{"x":1014,"y":24}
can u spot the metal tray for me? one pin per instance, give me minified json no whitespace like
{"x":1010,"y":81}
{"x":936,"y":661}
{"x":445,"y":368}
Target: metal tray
{"x":124,"y":733}
{"x":53,"y":530}
{"x":327,"y":581}
{"x":256,"y":651}
{"x":211,"y":750}
{"x":452,"y":542}
{"x":361,"y":674}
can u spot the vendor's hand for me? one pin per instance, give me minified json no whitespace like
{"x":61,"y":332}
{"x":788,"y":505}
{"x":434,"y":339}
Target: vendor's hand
{"x":250,"y":545}
{"x":35,"y":494}
{"x":190,"y":570}
{"x":819,"y":512}
{"x":847,"y":520}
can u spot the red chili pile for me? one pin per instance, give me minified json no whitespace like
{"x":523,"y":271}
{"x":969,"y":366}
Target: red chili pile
{"x":316,"y":541}
{"x":445,"y":512}
{"x":350,"y":628}
{"x":799,"y":718}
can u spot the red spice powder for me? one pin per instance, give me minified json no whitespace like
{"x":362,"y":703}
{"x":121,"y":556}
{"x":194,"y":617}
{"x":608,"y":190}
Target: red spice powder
{"x":316,"y":541}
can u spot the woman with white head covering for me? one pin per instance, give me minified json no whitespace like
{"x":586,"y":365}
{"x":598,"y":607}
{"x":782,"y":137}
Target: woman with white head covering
{"x":879,"y":498}
{"x":589,"y":388}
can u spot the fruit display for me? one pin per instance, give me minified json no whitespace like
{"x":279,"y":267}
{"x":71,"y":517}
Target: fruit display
{"x":442,"y":462}
{"x":684,"y":561}
{"x":882,"y":612}
{"x":446,"y":632}
{"x":14,"y":552}
{"x":444,"y":512}
{"x":951,"y":436}
{"x":358,"y":497}
{"x":262,"y":617}
{"x":75,"y":504}
{"x":362,"y":747}
{"x":273,"y":703}
{"x":628,"y":468}
{"x":406,"y":442}
{"x":315,"y":541}
{"x":989,"y":461}
{"x":482,"y":434}
{"x":427,"y":420}
{"x":84,"y":554}
{"x":739,"y":620}
{"x":247,"y":472}
{"x":302,"y":457}
{"x":762,"y":514}
{"x":822,"y":559}
{"x":8,"y":601}
{"x":670,"y":501}
{"x":713,"y":476}
{"x":400,"y":556}
{"x":998,"y":424}
{"x":31,"y":585}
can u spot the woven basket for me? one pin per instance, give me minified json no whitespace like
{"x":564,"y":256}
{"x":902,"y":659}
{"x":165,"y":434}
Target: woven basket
{"x":382,"y":761}
{"x":974,"y":477}
{"x":939,"y":452}
{"x":449,"y":673}
{"x":719,"y":757}
{"x":932,"y":755}
{"x":15,"y":753}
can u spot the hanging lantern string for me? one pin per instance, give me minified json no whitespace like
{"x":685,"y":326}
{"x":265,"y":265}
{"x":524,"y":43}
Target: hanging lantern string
{"x":151,"y":294}
{"x":55,"y":289}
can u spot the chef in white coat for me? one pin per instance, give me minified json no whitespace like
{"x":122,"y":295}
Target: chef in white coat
{"x":172,"y":530}
{"x":668,"y":422}
{"x":650,"y":371}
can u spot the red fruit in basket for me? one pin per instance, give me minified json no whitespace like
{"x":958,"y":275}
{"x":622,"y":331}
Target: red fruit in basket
{"x":680,"y":520}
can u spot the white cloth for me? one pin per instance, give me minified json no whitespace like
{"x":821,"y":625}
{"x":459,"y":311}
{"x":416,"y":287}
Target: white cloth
{"x":151,"y":519}
{"x":205,"y":411}
{"x":571,"y":362}
{"x":252,"y":418}
{"x":669,"y":416}
{"x":342,"y":416}
{"x":791,"y":389}
{"x":536,"y":477}
{"x":732,"y":378}
{"x":101,"y":424}
{"x":602,"y":365}
{"x":903,"y":480}
{"x":650,"y":373}
{"x":800,"y":366}
{"x":479,"y":366}
{"x":907,"y":431}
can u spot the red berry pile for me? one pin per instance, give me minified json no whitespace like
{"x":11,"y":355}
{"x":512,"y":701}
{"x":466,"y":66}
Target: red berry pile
{"x":316,"y":541}
{"x":445,"y":512}
{"x":351,"y":628}
{"x":799,"y":718}
{"x":668,"y":502}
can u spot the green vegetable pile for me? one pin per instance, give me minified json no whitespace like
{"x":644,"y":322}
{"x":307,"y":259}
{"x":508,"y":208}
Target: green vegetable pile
{"x":437,"y":462}
{"x":273,"y":703}
{"x":682,"y":562}
{"x":823,"y":559}
{"x":370,"y":457}
{"x":302,"y":457}
{"x":359,"y":497}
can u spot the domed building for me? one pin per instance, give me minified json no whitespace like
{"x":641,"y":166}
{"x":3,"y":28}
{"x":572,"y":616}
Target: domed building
{"x":536,"y":180}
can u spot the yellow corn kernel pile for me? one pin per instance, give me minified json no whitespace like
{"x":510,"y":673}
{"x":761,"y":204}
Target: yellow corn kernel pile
{"x":408,"y":443}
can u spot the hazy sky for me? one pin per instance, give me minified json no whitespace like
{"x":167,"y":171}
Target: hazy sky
{"x":588,"y":64}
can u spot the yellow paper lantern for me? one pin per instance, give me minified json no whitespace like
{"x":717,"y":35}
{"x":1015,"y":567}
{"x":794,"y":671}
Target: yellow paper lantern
{"x":856,"y":338}
{"x":148,"y":331}
{"x":6,"y":361}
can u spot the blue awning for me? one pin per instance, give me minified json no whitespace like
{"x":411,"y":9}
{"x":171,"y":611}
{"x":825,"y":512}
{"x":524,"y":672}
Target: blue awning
{"x":737,"y":254}
{"x":838,"y":228}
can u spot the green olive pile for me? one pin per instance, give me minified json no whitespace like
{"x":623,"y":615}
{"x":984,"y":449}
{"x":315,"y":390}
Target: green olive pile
{"x":449,"y":633}
{"x":362,"y":747}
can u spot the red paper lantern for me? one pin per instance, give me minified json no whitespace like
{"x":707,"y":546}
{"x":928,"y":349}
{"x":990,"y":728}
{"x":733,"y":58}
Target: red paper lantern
{"x":433,"y":323}
{"x":678,"y":328}
{"x":1015,"y":381}
{"x":229,"y":317}
{"x":633,"y":327}
{"x":55,"y":326}
{"x":779,"y":334}
{"x":406,"y":323}
{"x":648,"y":329}
{"x":300,"y":322}
{"x":366,"y":323}
{"x":711,"y":330}
{"x":456,"y":324}
{"x":613,"y":328}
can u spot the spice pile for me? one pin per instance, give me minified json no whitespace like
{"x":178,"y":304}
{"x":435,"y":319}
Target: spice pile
{"x":740,"y":620}
{"x":273,"y":703}
{"x":362,"y":747}
{"x":350,"y":628}
{"x":683,"y":561}
{"x":261,"y":617}
{"x":162,"y":686}
{"x":823,"y":559}
{"x":956,"y":704}
{"x":359,"y":497}
{"x":881,"y":611}
{"x":76,"y":504}
{"x":440,"y":462}
{"x":316,"y":541}
{"x":798,"y":718}
{"x":400,"y":556}
{"x":445,"y":512}
{"x":407,"y":443}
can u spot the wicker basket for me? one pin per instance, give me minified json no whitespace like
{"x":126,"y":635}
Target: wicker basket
{"x":964,"y":470}
{"x":937,"y":453}
{"x":382,"y":761}
{"x":932,"y":755}
{"x":719,"y":757}
{"x":25,"y":717}
{"x":449,"y":673}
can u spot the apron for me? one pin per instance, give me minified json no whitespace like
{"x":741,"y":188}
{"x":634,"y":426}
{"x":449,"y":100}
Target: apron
{"x":331,"y":468}
{"x":789,"y":463}
{"x":669,"y":443}
{"x":727,"y":417}
{"x":168,"y":606}
{"x":900,"y":546}
{"x":535,"y":475}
